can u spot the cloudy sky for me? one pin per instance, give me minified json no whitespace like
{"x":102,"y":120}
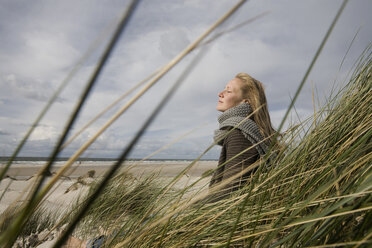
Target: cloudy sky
{"x":41,"y":42}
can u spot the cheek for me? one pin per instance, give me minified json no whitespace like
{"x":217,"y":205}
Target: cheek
{"x":233,"y":101}
{"x":236,"y":100}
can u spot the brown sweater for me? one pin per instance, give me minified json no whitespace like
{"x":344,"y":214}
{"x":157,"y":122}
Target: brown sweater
{"x":233,"y":144}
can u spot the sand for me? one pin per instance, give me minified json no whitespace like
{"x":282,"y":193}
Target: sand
{"x":21,"y":175}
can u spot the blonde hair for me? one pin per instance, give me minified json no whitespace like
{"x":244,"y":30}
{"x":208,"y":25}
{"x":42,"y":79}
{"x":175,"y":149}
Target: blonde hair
{"x":254,"y":92}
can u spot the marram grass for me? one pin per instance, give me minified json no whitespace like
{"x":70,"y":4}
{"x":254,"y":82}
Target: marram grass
{"x":8,"y":237}
{"x":316,"y":194}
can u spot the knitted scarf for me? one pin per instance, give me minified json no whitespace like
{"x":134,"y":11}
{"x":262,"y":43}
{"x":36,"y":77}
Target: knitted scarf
{"x":237,"y":117}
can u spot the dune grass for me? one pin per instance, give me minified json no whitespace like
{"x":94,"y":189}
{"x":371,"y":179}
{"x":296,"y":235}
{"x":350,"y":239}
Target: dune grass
{"x":317,"y":193}
{"x":43,"y":218}
{"x":8,"y":237}
{"x":124,"y":199}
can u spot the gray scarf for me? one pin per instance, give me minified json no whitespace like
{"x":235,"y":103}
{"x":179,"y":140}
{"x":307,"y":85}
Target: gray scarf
{"x":234,"y":117}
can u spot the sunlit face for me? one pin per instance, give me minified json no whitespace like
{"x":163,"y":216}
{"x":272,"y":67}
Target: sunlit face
{"x":231,"y":96}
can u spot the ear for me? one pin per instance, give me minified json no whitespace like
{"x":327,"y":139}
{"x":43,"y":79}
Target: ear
{"x":245,"y":100}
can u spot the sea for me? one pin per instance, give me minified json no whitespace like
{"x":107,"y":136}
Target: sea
{"x":24,"y":167}
{"x":91,"y":161}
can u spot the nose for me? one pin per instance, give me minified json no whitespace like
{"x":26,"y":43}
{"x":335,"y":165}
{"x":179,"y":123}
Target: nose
{"x":220,"y":94}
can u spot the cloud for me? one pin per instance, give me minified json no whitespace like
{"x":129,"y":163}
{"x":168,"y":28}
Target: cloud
{"x":44,"y":132}
{"x":173,"y":42}
{"x":42,"y":41}
{"x":37,"y":90}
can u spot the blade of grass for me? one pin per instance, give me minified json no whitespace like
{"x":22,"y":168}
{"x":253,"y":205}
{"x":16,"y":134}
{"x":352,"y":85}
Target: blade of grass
{"x":156,"y":72}
{"x":10,"y":235}
{"x":124,"y":155}
{"x":293,"y":101}
{"x":53,"y":98}
{"x":164,"y":70}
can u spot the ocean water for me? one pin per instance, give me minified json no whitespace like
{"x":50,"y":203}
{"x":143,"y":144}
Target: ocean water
{"x":37,"y":161}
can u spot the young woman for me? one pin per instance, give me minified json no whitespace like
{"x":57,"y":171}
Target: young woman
{"x":245,"y":133}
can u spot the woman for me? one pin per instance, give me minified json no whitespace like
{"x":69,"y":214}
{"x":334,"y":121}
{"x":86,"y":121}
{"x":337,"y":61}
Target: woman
{"x":245,"y":133}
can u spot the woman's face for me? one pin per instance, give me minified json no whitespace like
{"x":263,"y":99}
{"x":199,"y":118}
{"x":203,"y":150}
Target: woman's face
{"x":231,"y":96}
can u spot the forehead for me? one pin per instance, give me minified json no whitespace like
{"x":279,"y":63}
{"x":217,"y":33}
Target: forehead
{"x":234,"y":83}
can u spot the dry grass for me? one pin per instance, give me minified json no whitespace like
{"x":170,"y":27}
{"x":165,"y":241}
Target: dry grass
{"x":316,"y":194}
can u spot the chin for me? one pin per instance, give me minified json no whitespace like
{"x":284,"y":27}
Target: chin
{"x":219,"y":109}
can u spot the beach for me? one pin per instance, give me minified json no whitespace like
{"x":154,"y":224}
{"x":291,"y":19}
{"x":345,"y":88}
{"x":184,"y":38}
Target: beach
{"x":75,"y":182}
{"x":21,"y":174}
